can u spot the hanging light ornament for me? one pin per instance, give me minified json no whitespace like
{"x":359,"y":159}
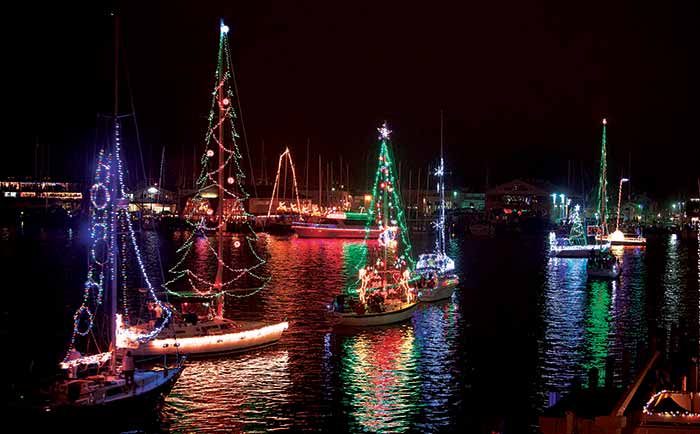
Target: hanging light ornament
{"x":210,"y":153}
{"x":231,"y":180}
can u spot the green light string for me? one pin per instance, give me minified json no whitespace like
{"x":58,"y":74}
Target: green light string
{"x":602,"y":209}
{"x":386,"y":160}
{"x":207,"y":181}
{"x":577,"y":235}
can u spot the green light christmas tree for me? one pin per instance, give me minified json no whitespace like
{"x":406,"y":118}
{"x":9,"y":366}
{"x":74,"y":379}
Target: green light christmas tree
{"x":386,"y":208}
{"x":577,"y":234}
{"x":602,"y":199}
{"x":387,"y":268}
{"x":221,"y":178}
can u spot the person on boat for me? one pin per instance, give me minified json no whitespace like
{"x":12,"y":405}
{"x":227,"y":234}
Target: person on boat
{"x":376,"y":302}
{"x":151,"y":314}
{"x":73,"y":369}
{"x":434,"y":280}
{"x":158,"y":310}
{"x":339,"y":303}
{"x":128,"y":368}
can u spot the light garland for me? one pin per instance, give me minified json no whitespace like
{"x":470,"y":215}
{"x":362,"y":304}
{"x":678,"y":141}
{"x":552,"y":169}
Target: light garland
{"x":221,"y":120}
{"x":109,"y":212}
{"x":99,"y":359}
{"x":577,"y":235}
{"x":123,"y":211}
{"x":198,"y":343}
{"x":394,"y":276}
{"x":98,"y":219}
{"x":440,"y":223}
{"x":602,"y":210}
{"x":667,"y":394}
{"x":275,"y":188}
{"x":385,"y":180}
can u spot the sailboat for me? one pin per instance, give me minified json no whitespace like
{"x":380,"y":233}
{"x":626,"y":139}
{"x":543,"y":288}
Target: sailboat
{"x":384,"y":292}
{"x":603,"y":233}
{"x":436,"y":270}
{"x":619,"y":238}
{"x":576,"y":245}
{"x":198,"y":327}
{"x":97,"y":381}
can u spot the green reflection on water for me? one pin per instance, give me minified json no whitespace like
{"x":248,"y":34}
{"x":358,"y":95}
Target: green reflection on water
{"x":598,"y":327}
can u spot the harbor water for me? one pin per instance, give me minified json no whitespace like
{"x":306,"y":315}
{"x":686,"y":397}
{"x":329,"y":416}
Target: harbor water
{"x":520,"y":328}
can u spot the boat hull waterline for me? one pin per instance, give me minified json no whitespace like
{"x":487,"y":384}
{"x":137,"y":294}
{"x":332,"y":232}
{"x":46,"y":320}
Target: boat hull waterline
{"x":577,"y":251}
{"x":224,"y":343}
{"x":444,"y":290}
{"x":352,"y":319}
{"x":325,"y":232}
{"x":151,"y":388}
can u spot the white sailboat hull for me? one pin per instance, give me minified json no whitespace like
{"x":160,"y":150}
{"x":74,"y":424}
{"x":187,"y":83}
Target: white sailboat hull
{"x":198,"y":343}
{"x":402,"y":313}
{"x":577,"y":251}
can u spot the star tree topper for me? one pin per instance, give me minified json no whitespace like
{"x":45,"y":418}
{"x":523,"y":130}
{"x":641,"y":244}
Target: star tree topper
{"x":384,"y":132}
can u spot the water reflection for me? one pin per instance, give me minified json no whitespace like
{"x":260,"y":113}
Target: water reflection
{"x":437,"y":328}
{"x":597,"y":327}
{"x":379,"y":379}
{"x":605,"y":324}
{"x":591,"y":324}
{"x":673,"y":284}
{"x":235,"y":394}
{"x":518,"y":320}
{"x":564,"y":307}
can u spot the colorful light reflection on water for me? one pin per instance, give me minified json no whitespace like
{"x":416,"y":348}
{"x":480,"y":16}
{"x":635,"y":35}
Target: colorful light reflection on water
{"x":608,"y":325}
{"x":519,"y":326}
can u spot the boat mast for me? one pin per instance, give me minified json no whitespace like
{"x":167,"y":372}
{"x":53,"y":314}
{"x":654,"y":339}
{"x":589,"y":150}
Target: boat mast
{"x":441,"y":190}
{"x":218,"y":281}
{"x":602,"y":194}
{"x":114,"y":250}
{"x":385,"y":212}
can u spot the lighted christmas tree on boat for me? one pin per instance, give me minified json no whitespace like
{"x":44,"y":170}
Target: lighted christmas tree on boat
{"x":384,"y":292}
{"x":198,"y":326}
{"x":576,"y":245}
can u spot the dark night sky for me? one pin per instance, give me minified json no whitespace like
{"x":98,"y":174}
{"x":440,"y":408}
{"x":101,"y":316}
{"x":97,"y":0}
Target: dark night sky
{"x":523,"y":84}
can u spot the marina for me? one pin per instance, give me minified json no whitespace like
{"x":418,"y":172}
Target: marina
{"x":246,"y":218}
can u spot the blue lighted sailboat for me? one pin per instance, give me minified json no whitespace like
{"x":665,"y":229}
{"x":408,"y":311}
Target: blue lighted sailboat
{"x":436,"y":270}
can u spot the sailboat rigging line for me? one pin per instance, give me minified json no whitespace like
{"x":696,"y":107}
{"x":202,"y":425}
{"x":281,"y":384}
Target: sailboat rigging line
{"x":138,"y":142}
{"x":240,"y":112}
{"x":127,"y":76}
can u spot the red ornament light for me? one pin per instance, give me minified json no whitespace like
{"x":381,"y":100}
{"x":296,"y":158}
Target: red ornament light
{"x":226,"y":101}
{"x":210,"y":153}
{"x":231,"y":180}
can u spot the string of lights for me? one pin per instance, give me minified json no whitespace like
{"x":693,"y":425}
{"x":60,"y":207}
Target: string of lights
{"x":220,"y":130}
{"x":390,"y":273}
